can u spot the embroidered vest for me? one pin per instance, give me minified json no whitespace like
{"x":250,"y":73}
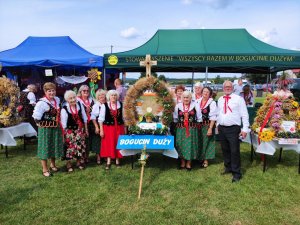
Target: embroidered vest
{"x":191,"y":118}
{"x":109,"y":119}
{"x":205,"y":113}
{"x":73,"y":123}
{"x":50,"y":118}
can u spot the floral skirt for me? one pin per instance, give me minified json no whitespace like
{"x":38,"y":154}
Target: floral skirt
{"x":187,"y":147}
{"x":50,"y":143}
{"x":75,"y":144}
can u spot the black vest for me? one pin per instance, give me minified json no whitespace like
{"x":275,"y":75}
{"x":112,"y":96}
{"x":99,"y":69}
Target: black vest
{"x":205,"y":113}
{"x":49,"y":119}
{"x":109,"y":119}
{"x":192,"y":118}
{"x":73,"y":123}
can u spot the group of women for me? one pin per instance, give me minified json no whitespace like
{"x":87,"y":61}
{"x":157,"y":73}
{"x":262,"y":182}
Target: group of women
{"x":82,"y":125}
{"x":194,"y":116}
{"x":72,"y":129}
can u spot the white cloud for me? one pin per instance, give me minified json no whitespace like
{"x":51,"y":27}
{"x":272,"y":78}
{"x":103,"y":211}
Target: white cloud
{"x":184,"y":23}
{"x":265,"y":36}
{"x":130,"y":33}
{"x":217,"y":4}
{"x":186,"y":2}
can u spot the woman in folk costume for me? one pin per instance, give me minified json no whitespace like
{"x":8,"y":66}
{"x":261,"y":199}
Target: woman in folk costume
{"x":187,"y":116}
{"x":111,"y":126}
{"x":96,"y":140}
{"x":87,"y":101}
{"x":50,"y":139}
{"x":74,"y":123}
{"x":247,"y":95}
{"x":179,"y":89}
{"x":27,"y":103}
{"x":209,"y":116}
{"x":197,"y":91}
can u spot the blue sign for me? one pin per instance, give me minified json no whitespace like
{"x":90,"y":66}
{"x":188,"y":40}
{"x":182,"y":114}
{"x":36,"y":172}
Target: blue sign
{"x":150,"y":141}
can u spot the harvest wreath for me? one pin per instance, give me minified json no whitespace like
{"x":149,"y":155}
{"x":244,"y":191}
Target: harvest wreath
{"x":164,"y":97}
{"x":9,"y":93}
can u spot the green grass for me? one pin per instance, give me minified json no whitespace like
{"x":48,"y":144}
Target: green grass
{"x":169,"y":196}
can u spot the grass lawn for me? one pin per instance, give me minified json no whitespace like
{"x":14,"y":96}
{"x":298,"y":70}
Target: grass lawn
{"x":169,"y":196}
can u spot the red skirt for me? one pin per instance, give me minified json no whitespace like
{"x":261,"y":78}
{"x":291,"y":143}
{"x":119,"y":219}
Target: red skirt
{"x":110,"y":140}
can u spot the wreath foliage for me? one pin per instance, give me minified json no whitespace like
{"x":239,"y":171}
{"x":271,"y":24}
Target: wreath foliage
{"x":9,"y":93}
{"x":135,"y":91}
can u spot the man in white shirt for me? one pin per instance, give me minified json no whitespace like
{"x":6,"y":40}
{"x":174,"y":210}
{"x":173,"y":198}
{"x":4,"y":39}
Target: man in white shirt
{"x":232,"y":111}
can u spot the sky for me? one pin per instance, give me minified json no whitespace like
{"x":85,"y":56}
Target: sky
{"x":102,"y":26}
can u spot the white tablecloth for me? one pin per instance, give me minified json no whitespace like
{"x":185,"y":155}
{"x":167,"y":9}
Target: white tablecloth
{"x":269,"y":148}
{"x":8,"y":134}
{"x":170,"y":153}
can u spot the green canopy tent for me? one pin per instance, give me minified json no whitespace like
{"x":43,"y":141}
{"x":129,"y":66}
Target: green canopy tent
{"x":195,"y":50}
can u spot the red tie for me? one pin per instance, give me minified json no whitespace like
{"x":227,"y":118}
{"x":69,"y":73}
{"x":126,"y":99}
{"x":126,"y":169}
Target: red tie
{"x":227,"y":97}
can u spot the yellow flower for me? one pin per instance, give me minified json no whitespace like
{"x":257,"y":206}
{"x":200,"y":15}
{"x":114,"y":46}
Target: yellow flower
{"x":266,"y":135}
{"x":295,"y":104}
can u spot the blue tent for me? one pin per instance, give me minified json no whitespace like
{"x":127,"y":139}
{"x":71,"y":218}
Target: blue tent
{"x":49,"y":52}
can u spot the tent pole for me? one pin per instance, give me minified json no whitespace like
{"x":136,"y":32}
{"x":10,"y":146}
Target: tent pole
{"x":104,"y":79}
{"x":206,"y":75}
{"x":268,"y":83}
{"x":193,"y":80}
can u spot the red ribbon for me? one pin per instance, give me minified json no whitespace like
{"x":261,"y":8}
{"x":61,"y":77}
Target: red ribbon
{"x":58,"y":120}
{"x":226,"y":97}
{"x":75,"y":116}
{"x":203,"y":105}
{"x":267,"y":117}
{"x":114,"y":113}
{"x":265,"y":122}
{"x":87,"y":105}
{"x":186,"y":120}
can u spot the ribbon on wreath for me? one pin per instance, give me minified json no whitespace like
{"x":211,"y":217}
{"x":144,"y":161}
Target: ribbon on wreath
{"x":265,"y":122}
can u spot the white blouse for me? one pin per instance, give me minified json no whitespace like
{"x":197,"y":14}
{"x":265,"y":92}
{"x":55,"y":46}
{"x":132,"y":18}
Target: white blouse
{"x":96,"y":110}
{"x":82,"y":102}
{"x":213,"y":110}
{"x":41,"y":107}
{"x":64,"y":114}
{"x":192,"y":106}
{"x":103,"y":111}
{"x":31,"y":97}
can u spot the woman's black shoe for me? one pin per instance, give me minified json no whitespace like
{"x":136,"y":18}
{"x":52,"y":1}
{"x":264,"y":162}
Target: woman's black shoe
{"x":188,"y":168}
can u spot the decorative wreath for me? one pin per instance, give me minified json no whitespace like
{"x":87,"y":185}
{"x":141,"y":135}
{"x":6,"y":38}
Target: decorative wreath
{"x":9,"y":93}
{"x":136,"y":90}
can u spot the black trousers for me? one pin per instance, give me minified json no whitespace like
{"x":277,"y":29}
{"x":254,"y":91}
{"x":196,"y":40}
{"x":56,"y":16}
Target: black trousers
{"x":230,"y":144}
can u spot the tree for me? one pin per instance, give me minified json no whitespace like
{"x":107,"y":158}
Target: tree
{"x":143,"y":74}
{"x":259,"y":78}
{"x":218,"y":80}
{"x":162,"y":78}
{"x":188,"y":81}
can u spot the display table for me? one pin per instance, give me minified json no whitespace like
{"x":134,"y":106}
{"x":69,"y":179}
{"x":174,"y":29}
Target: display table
{"x":131,"y":152}
{"x":8,"y":134}
{"x":269,"y":148}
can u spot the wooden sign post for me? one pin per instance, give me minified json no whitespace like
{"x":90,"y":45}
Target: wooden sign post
{"x":142,"y":160}
{"x":148,"y":64}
